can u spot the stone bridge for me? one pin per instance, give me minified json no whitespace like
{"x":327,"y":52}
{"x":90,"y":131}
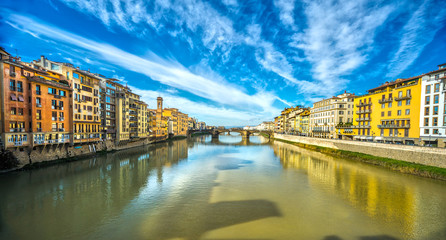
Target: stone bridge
{"x":216,"y":132}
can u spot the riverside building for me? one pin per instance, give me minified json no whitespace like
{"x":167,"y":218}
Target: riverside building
{"x":328,"y":113}
{"x":35,"y":105}
{"x":388,"y":113}
{"x":433,"y":107}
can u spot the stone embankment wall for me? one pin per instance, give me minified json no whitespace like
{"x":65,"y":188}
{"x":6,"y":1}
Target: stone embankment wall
{"x":64,"y":151}
{"x":422,"y":155}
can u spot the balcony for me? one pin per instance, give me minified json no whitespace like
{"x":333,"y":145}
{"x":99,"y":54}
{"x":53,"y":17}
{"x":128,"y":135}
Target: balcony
{"x":363,"y":119}
{"x":363,"y":104}
{"x":364,"y":111}
{"x":403,"y":97}
{"x":385,"y":100}
{"x":394,"y":126}
{"x":57,"y":96}
{"x":17,"y":130}
{"x":363,"y":126}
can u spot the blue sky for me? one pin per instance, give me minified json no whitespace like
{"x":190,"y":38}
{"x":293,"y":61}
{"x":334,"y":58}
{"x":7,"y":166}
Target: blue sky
{"x":233,"y":62}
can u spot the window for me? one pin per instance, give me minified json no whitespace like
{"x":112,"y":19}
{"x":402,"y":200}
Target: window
{"x":428,"y":89}
{"x":12,"y":85}
{"x":19,"y":86}
{"x":390,"y":104}
{"x":435,"y":131}
{"x":54,"y":116}
{"x":426,"y":111}
{"x":437,"y":87}
{"x":428,"y":100}
{"x":20,"y":112}
{"x":436,"y":98}
{"x":435,"y":110}
{"x":39,"y":114}
{"x":389,"y":113}
{"x":38,"y":101}
{"x":407,"y":111}
{"x":437,"y":76}
{"x":400,"y":93}
{"x":426,"y":131}
{"x":382,"y":114}
{"x":400,"y":103}
{"x":426,"y":122}
{"x":38,"y":90}
{"x":54,"y":66}
{"x":408,"y":92}
{"x":13,"y":111}
{"x":383,"y":105}
{"x":434,"y":121}
{"x":444,"y":120}
{"x":60,"y":104}
{"x":399,"y":113}
{"x":62,"y":93}
{"x":407,"y":102}
{"x":75,"y":75}
{"x":52,"y":91}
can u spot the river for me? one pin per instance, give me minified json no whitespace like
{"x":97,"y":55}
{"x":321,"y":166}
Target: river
{"x":226,"y":188}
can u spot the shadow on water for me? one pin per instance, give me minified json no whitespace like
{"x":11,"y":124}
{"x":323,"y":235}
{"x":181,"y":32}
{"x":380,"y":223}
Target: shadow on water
{"x":210,"y":216}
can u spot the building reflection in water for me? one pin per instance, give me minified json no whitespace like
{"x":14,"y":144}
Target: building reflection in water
{"x":375,"y":191}
{"x":60,"y":195}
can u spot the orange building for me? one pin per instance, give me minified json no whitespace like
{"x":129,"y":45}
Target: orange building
{"x":35,"y":105}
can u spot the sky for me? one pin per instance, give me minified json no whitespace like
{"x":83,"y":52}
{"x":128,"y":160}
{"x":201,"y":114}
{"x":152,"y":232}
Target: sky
{"x":233,"y":62}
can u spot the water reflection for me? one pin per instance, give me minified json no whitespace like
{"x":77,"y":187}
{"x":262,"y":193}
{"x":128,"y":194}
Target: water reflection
{"x":87,"y":193}
{"x":383,"y":195}
{"x":223,"y":188}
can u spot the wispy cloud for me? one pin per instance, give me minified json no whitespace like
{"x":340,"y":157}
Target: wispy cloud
{"x":286,"y":12}
{"x":416,"y":34}
{"x":166,"y":72}
{"x":338,"y":38}
{"x":208,"y":113}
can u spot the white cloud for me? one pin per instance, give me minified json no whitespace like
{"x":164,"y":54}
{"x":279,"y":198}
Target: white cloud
{"x":286,"y":14}
{"x":416,"y":34}
{"x":338,"y":38}
{"x":166,"y":72}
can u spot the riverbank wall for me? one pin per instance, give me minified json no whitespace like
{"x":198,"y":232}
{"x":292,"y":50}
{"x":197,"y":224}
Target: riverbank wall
{"x":27,"y":157}
{"x":434,"y":157}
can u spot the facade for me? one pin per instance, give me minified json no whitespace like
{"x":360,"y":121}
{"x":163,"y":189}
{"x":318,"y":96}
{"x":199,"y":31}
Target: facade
{"x":325,"y":115}
{"x":433,"y":107}
{"x":35,"y":105}
{"x":389,"y":113}
{"x":86,"y":122}
{"x":108,"y":100}
{"x":161,"y":124}
{"x":303,"y":123}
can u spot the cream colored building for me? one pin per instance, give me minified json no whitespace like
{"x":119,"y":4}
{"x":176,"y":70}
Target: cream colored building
{"x":326,"y":114}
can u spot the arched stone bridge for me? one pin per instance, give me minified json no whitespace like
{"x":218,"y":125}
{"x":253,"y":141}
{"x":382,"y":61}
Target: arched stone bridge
{"x":216,"y":132}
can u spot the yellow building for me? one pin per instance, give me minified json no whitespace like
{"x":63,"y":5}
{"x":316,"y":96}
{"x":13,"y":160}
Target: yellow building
{"x":303,"y":123}
{"x":159,"y":126}
{"x":388,"y":113}
{"x":86,"y":122}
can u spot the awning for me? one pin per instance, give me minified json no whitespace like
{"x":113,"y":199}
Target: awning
{"x":13,"y":97}
{"x":362,"y":137}
{"x":378,"y":138}
{"x":369,"y":138}
{"x":356,"y":137}
{"x":21,"y":98}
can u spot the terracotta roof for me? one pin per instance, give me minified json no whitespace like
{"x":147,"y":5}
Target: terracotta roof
{"x":387,"y":84}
